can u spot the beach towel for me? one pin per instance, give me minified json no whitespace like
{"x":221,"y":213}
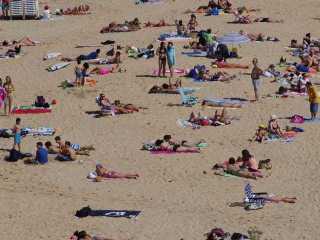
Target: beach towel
{"x":218,"y":102}
{"x":173,"y":37}
{"x":151,"y":2}
{"x":30,"y":110}
{"x":171,"y":56}
{"x":165,"y":152}
{"x":195,"y":54}
{"x":87,"y":211}
{"x":40,"y":131}
{"x":57,"y":66}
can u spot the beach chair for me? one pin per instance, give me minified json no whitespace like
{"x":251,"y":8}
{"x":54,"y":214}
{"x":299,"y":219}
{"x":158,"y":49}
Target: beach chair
{"x":187,"y":100}
{"x":106,"y":110}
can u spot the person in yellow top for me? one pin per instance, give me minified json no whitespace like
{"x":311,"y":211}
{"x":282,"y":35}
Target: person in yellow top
{"x":314,"y":100}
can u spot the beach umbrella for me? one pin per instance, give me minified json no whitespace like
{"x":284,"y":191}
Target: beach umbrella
{"x":233,"y":38}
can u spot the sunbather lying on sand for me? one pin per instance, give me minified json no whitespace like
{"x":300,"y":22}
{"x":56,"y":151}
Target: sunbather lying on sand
{"x":258,"y":37}
{"x":161,"y":23}
{"x":247,"y":19}
{"x":117,"y":107}
{"x":224,"y":64}
{"x":103,"y":173}
{"x":26,"y":41}
{"x":216,"y":120}
{"x":218,"y":76}
{"x":12,"y":52}
{"x":167,"y":87}
{"x":161,"y":145}
{"x":83,"y":235}
{"x":126,"y":27}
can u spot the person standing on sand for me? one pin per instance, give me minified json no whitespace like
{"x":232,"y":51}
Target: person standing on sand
{"x":8,"y":101}
{"x":17,"y":135}
{"x":171,"y":57}
{"x":162,"y":54}
{"x":255,"y":77}
{"x":313,"y":100}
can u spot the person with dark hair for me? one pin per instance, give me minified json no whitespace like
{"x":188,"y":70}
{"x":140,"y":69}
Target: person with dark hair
{"x":84,"y":74}
{"x":193,"y":23}
{"x":248,"y":161}
{"x":17,"y":134}
{"x":67,"y":153}
{"x":181,"y":29}
{"x":90,"y":56}
{"x":162,"y":54}
{"x":77,"y":71}
{"x":41,"y":154}
{"x":256,"y":73}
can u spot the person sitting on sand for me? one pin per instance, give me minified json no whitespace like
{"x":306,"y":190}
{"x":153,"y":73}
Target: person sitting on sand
{"x":248,"y":162}
{"x":260,"y":135}
{"x":66,"y":153}
{"x":181,"y":29}
{"x":274,"y":127}
{"x":102,"y":173}
{"x":83,"y":235}
{"x":41,"y":155}
{"x":103,"y":101}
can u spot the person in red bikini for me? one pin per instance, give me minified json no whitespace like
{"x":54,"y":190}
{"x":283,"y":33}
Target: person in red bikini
{"x":102,"y":173}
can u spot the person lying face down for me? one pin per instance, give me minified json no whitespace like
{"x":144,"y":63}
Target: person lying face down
{"x":83,"y":235}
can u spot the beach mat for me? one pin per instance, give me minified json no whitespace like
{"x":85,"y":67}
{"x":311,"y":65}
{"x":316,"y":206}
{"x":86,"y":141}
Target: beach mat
{"x":31,"y":111}
{"x":195,"y":54}
{"x":169,"y":152}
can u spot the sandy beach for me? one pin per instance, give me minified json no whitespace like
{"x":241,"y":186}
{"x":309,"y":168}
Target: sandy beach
{"x":179,"y":195}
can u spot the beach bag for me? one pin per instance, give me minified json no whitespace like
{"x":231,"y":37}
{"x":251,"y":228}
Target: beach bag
{"x":297,"y":119}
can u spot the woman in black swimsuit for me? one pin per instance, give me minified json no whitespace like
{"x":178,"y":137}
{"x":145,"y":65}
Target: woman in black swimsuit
{"x":162,"y":53}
